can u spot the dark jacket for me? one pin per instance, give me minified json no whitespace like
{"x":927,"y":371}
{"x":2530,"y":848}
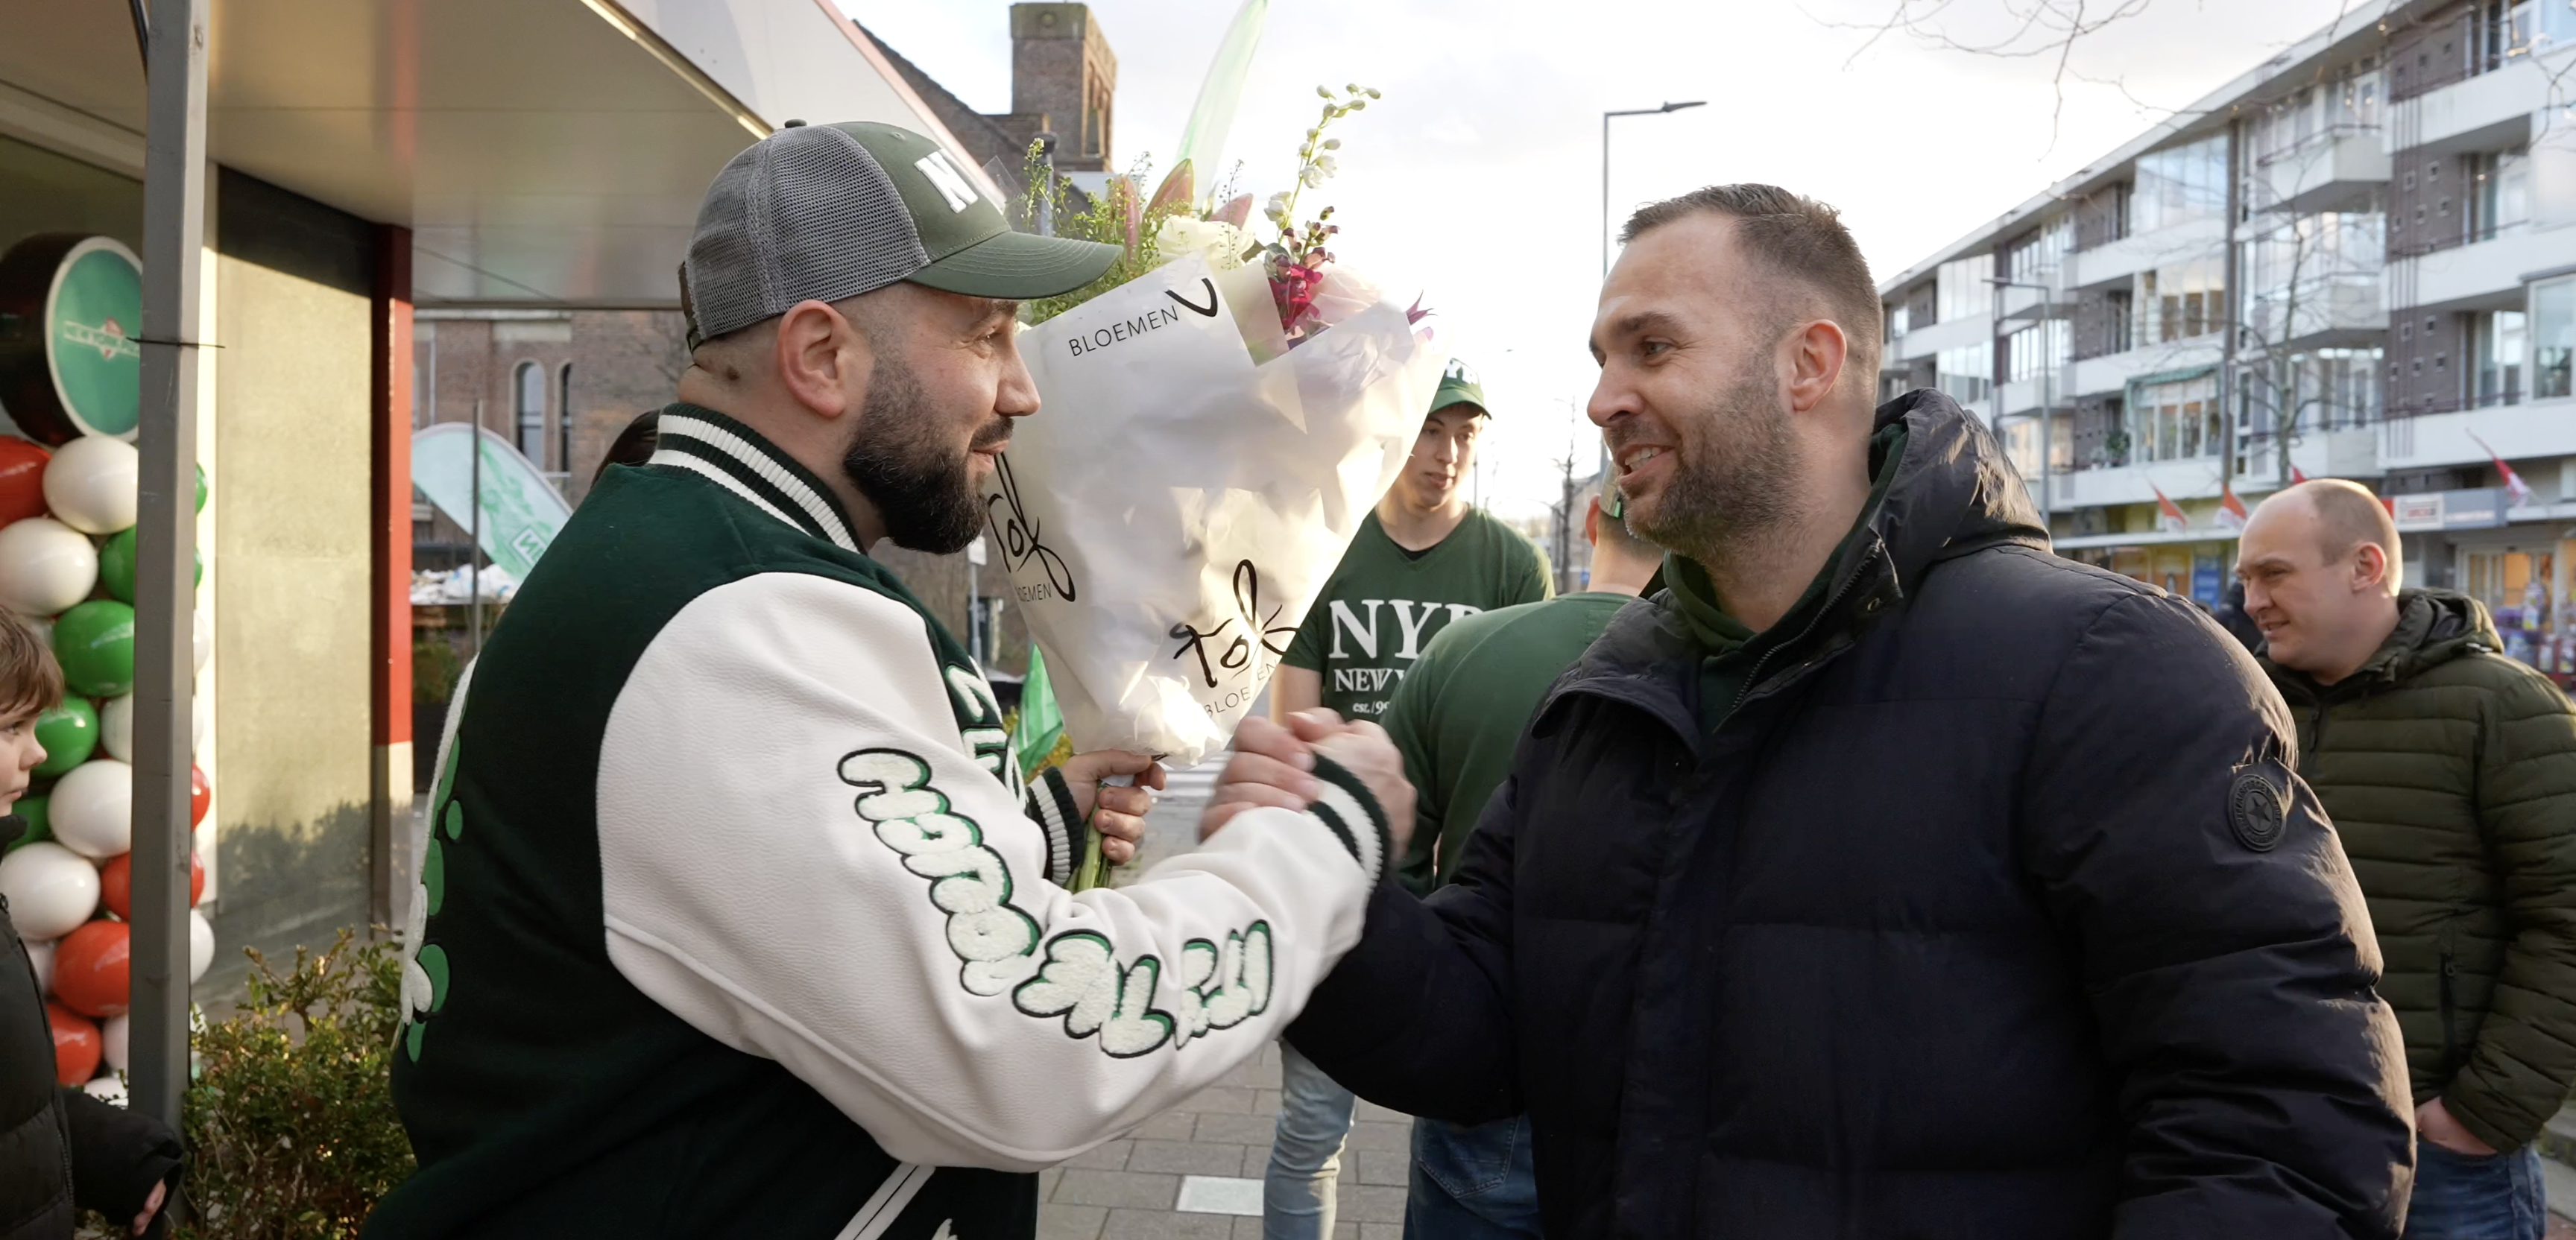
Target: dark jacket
{"x":1993,"y":910}
{"x":60,"y":1149}
{"x":2450,"y":771}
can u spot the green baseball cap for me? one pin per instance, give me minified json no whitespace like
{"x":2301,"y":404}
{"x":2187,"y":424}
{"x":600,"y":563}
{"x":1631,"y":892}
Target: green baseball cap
{"x":828,"y":212}
{"x":1459,"y":386}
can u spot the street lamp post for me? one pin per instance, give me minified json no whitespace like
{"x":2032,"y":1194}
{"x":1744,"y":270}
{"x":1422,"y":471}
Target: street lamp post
{"x":1604,"y":459}
{"x":2047,"y":386}
{"x":1605,"y":165}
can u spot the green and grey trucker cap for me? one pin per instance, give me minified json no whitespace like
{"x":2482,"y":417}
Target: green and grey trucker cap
{"x":827,"y":212}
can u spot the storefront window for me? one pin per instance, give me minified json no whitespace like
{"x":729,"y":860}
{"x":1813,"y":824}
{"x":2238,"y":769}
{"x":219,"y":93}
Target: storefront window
{"x":2521,"y":590}
{"x":2553,"y":337}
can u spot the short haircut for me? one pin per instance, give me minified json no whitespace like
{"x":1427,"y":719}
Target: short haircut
{"x":2348,"y":515}
{"x":31,"y":683}
{"x":1798,"y":237}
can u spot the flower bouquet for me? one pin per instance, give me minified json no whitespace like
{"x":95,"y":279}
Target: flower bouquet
{"x":1220,"y":413}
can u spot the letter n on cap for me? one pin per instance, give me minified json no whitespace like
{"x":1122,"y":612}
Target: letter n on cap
{"x":944,"y":177}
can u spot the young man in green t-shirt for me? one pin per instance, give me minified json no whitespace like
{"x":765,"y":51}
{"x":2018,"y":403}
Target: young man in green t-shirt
{"x":1457,"y":720}
{"x":1423,"y":560}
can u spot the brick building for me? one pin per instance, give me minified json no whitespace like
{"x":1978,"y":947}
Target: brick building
{"x":560,"y":384}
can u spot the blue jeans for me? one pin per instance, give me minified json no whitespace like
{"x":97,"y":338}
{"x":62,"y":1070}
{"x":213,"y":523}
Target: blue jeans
{"x":2459,"y":1197}
{"x":1472,"y":1183}
{"x":1305,"y":1151}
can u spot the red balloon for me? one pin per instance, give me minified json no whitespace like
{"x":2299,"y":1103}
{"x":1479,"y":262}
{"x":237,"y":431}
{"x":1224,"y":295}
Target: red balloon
{"x":116,"y":884}
{"x":92,"y":969}
{"x":200,"y":795}
{"x":76,"y":1044}
{"x":22,"y":479}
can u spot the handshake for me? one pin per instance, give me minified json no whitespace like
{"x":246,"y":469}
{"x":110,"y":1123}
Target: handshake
{"x":1272,"y":765}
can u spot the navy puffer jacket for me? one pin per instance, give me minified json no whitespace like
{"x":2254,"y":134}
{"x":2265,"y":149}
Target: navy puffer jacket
{"x":1995,"y":910}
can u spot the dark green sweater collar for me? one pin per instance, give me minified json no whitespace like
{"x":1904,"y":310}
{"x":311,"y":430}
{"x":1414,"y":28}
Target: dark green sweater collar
{"x":1695,"y":596}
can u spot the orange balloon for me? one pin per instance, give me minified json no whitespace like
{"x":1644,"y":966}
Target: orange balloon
{"x":93,"y":968}
{"x":200,"y":795}
{"x":116,"y":884}
{"x":76,"y":1044}
{"x":22,"y":479}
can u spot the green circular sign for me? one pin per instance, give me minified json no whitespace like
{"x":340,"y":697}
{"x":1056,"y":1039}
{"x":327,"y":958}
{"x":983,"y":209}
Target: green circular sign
{"x":92,"y":315}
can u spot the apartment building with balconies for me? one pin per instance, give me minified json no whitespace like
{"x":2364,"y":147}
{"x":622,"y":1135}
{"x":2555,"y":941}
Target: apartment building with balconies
{"x":2357,"y":259}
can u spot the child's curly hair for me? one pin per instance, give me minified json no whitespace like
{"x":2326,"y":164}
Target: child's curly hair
{"x":31,"y":683}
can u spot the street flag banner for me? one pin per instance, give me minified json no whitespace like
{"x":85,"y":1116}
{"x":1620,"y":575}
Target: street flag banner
{"x":2231,"y":510}
{"x":2169,"y":517}
{"x":2513,"y":483}
{"x":1041,"y":725}
{"x":521,"y":511}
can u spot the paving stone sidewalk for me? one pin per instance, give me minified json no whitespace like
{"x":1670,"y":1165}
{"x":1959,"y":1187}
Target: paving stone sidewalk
{"x":1129,"y":1189}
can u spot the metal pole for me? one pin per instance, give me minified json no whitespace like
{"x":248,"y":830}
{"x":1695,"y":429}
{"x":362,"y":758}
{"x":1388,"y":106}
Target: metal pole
{"x":474,"y":533}
{"x":1605,"y":193}
{"x":174,"y":221}
{"x":2047,"y":410}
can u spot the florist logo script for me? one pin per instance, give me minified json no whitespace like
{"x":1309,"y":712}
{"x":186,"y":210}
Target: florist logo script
{"x":1019,"y":539}
{"x":1151,"y":320}
{"x":1236,"y":657}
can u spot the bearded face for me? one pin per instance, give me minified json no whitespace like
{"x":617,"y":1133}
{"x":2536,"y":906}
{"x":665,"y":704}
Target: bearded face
{"x":1734,"y":473}
{"x":905,"y":458}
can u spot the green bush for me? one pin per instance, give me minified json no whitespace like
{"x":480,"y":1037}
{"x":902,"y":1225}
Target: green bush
{"x":435,"y":665}
{"x":290,"y":1123}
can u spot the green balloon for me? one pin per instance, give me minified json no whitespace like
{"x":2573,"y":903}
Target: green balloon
{"x":116,"y":565}
{"x":40,"y":826}
{"x":201,"y":488}
{"x":95,"y":644}
{"x":69,"y":733}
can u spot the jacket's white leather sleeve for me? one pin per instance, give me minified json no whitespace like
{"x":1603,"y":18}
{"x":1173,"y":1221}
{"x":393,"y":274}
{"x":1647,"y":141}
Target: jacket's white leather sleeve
{"x":800,"y":857}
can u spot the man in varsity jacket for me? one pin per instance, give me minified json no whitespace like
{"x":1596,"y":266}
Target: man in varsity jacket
{"x":732,"y":920}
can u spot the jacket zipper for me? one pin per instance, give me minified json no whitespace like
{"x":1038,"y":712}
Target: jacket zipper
{"x":1754,"y":677}
{"x":2450,"y":1042}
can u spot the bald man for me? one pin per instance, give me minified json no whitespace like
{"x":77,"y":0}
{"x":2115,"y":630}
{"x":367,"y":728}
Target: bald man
{"x":2450,"y":771}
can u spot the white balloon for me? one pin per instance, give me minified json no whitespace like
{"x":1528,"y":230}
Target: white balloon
{"x":42,"y":956}
{"x":51,"y":889}
{"x":116,"y":727}
{"x":111,"y":1039}
{"x":90,"y":484}
{"x":201,"y":717}
{"x":92,"y":808}
{"x":204,"y":636}
{"x":109,"y":1089}
{"x":201,"y":945}
{"x":45,"y":567}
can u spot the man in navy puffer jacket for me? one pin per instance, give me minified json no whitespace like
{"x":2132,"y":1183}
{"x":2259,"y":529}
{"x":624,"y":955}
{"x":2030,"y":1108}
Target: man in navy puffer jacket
{"x":1886,"y":876}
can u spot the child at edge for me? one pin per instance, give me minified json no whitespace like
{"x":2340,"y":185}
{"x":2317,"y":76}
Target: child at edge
{"x":61,"y":1150}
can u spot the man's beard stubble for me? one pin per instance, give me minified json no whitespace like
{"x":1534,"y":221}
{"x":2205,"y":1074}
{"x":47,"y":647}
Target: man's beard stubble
{"x":925,"y":495}
{"x":1739,"y":482}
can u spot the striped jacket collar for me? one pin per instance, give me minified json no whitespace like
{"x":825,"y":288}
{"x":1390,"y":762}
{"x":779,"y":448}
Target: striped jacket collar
{"x":737,"y":458}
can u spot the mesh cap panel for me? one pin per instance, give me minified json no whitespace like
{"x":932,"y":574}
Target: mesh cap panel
{"x":805,"y":214}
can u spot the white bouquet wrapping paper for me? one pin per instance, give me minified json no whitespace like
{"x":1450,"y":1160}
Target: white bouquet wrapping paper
{"x":1188,"y":484}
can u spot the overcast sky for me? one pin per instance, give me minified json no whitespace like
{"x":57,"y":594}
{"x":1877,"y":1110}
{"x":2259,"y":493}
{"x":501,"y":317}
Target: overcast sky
{"x":1477,"y":180}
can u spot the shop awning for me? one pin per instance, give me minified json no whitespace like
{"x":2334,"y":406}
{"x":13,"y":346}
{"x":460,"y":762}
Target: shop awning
{"x":2159,"y":538}
{"x":544,"y":152}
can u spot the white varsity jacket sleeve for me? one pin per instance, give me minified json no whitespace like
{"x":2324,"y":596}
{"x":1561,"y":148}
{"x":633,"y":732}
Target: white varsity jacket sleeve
{"x":801,"y":857}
